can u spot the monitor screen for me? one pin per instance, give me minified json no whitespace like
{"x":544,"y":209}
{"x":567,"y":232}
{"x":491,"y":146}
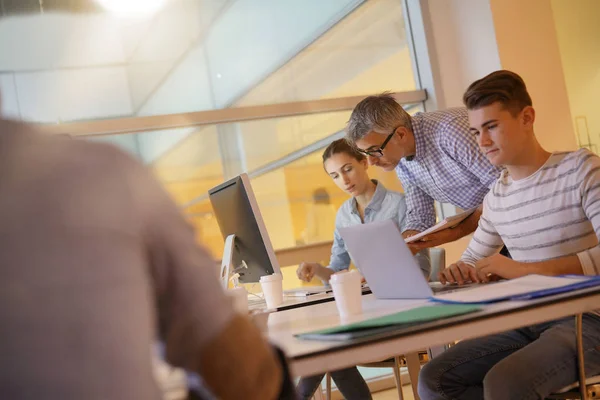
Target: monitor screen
{"x":237,"y":213}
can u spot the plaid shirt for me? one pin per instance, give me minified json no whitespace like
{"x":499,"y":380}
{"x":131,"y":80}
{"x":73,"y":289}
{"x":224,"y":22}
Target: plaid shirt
{"x":448,"y":167}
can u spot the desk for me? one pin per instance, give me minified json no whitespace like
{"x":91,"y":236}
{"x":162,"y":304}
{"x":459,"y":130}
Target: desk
{"x":290,"y":302}
{"x":308,"y":357}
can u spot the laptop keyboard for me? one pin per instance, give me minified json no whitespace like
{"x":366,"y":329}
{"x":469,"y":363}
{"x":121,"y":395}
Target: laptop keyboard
{"x":438,"y":288}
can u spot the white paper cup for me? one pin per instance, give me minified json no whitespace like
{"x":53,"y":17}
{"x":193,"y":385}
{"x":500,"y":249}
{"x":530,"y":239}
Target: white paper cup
{"x":239,"y":296}
{"x":347,"y":292}
{"x":272,"y":287}
{"x":261,"y":319}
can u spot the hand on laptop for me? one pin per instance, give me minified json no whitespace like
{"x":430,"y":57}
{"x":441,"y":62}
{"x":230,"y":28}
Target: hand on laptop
{"x":459,"y":273}
{"x":501,"y":267}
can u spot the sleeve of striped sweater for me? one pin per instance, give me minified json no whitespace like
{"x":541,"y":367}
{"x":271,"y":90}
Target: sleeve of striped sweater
{"x":485,"y":242}
{"x":589,"y":172}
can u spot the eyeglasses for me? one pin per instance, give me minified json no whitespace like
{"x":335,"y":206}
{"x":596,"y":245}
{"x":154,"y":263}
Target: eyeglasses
{"x":378,"y":152}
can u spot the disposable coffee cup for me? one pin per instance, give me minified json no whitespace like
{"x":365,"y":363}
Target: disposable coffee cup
{"x":347,"y":292}
{"x":272,"y":287}
{"x":239,"y":295}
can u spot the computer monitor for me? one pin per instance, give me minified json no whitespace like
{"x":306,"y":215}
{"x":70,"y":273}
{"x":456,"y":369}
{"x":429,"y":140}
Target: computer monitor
{"x":248,"y":249}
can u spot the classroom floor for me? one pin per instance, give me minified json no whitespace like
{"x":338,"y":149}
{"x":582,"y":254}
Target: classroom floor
{"x":392,"y":394}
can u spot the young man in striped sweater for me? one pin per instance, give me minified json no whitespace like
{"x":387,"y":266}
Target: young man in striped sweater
{"x":545,"y":208}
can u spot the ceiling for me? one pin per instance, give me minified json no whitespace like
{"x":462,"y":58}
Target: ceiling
{"x":21,"y":7}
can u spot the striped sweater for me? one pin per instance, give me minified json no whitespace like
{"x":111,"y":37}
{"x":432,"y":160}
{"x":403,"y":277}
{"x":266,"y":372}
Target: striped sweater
{"x":553,"y":213}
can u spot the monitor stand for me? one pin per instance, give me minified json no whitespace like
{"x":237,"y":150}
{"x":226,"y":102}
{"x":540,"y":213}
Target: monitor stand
{"x":227,"y":268}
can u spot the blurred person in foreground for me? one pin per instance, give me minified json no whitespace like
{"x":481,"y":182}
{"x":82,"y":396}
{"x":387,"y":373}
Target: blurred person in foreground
{"x":97,"y":263}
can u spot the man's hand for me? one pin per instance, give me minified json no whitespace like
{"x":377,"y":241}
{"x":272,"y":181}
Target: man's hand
{"x":437,"y":239}
{"x":406,"y":234}
{"x":306,"y":271}
{"x":498,"y":265}
{"x":459,"y":273}
{"x":467,"y":226}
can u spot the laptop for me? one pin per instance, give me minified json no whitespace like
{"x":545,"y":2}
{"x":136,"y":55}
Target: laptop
{"x":380,"y":254}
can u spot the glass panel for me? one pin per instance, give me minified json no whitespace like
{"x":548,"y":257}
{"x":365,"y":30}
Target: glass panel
{"x":366,"y":52}
{"x":189,"y":161}
{"x":189,"y":169}
{"x":238,"y":147}
{"x":289,"y":193}
{"x":74,"y":63}
{"x":286,"y":198}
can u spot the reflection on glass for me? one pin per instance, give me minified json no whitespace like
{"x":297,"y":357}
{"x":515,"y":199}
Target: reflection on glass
{"x":298,"y":200}
{"x":75,"y":63}
{"x":291,"y":200}
{"x":366,"y":52}
{"x":187,"y":168}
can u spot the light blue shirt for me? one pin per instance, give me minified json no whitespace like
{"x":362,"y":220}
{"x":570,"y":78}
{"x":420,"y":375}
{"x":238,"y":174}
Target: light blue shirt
{"x":384,"y":205}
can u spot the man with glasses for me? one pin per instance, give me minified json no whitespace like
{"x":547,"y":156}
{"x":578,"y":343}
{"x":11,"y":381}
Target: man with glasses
{"x":435,"y":157}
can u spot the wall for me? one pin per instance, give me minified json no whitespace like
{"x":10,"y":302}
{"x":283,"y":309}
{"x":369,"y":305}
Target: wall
{"x":472,"y":38}
{"x":464,"y":45}
{"x":528,"y":45}
{"x":578,"y":35}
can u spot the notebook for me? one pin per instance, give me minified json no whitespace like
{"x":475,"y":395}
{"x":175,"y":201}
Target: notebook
{"x":523,"y":288}
{"x":448,"y":222}
{"x":401,"y":319}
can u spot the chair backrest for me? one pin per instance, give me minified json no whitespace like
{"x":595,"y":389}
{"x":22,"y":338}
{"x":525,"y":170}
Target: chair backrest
{"x":437,"y":257}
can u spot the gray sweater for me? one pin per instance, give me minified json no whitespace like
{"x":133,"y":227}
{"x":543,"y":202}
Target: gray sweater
{"x":96,"y":262}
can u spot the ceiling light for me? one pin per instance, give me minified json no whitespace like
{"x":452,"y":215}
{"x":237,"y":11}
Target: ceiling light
{"x":132,"y":8}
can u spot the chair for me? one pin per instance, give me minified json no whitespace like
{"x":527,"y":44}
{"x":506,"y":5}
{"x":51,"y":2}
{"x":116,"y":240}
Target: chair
{"x":437,"y":259}
{"x":592,"y":386}
{"x":585,"y":388}
{"x":412,"y":361}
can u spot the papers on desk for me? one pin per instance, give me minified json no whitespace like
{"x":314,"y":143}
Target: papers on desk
{"x":524,"y":288}
{"x":312,"y":290}
{"x":389,"y":322}
{"x":307,"y":291}
{"x":448,"y":222}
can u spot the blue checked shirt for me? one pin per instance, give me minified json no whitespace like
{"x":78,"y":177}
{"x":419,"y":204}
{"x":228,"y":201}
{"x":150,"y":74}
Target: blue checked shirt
{"x":384,"y":205}
{"x":448,"y":167}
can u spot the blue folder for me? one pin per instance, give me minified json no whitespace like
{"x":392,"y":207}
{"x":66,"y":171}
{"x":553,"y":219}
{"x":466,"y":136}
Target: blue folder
{"x":590,"y":282}
{"x":582,"y":283}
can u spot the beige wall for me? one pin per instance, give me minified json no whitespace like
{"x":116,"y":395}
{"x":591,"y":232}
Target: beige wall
{"x":463,"y":43}
{"x":528,"y":45}
{"x":472,"y":38}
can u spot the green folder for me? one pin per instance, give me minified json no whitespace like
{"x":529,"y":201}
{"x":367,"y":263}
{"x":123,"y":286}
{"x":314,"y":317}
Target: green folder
{"x":391,"y":322}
